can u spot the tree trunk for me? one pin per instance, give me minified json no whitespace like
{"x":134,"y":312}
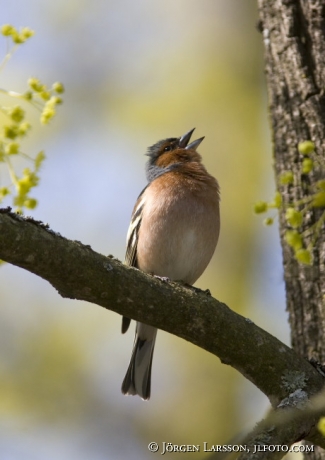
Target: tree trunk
{"x":294,"y":40}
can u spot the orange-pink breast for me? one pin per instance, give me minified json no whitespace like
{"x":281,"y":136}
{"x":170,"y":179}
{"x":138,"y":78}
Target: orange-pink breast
{"x":180,"y":227}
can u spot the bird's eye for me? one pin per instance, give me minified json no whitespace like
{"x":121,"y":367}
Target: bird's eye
{"x":167,"y":148}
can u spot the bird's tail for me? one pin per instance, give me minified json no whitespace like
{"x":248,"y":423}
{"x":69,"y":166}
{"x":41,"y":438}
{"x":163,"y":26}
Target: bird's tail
{"x":137,"y":380}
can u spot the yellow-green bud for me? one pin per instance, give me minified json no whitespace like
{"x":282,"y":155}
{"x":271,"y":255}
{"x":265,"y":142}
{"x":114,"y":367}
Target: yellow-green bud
{"x":318,"y":200}
{"x":4,"y":191}
{"x":11,"y":132}
{"x":17,"y":38}
{"x":45,"y":95}
{"x":307,"y":165}
{"x":320,"y":184}
{"x":23,"y":186}
{"x":58,"y":87}
{"x":23,"y":128}
{"x":294,"y":217}
{"x":17,"y":114}
{"x":28,"y":96}
{"x":303,"y":256}
{"x":32,"y":177}
{"x":30,"y":203}
{"x":306,"y":147}
{"x":12,"y":148}
{"x":286,"y":178}
{"x":54,"y":101}
{"x":294,"y":239}
{"x":47,"y":114}
{"x":268,"y":221}
{"x":7,"y":30}
{"x":40,"y":157}
{"x":260,"y":207}
{"x":26,"y":32}
{"x":35,"y":84}
{"x":277,"y":201}
{"x":321,"y":426}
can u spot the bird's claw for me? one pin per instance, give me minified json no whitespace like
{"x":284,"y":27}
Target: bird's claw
{"x":164,"y":279}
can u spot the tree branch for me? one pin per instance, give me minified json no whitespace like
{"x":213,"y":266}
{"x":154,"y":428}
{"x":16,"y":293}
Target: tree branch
{"x":293,"y":420}
{"x":78,"y":272}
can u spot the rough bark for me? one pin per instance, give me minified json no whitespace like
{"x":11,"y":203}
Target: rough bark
{"x":294,"y":39}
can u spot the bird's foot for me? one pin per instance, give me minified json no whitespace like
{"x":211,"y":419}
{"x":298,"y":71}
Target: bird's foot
{"x":164,"y":279}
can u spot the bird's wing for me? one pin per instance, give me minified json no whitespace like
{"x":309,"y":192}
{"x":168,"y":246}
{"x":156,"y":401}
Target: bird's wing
{"x":133,"y":231}
{"x":132,"y":243}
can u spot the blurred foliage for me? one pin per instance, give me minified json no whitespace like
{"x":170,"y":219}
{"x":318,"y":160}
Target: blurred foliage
{"x":296,"y":211}
{"x":15,"y":126}
{"x":45,"y":379}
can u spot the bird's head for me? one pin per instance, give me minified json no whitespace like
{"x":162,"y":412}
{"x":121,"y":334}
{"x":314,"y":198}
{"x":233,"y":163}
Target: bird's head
{"x":166,"y":154}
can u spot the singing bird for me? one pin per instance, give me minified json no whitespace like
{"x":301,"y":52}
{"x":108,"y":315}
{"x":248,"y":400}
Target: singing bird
{"x":173,"y":233}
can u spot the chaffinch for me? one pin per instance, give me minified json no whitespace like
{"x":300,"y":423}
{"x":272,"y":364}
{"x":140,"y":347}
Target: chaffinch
{"x":173,"y":233}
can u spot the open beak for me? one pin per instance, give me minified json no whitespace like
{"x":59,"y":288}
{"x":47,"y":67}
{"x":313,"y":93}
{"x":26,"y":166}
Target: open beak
{"x":194,"y":145}
{"x":184,"y":141}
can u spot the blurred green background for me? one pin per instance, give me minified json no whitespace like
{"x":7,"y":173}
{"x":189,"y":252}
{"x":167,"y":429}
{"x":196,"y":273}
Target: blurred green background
{"x":135,"y":72}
